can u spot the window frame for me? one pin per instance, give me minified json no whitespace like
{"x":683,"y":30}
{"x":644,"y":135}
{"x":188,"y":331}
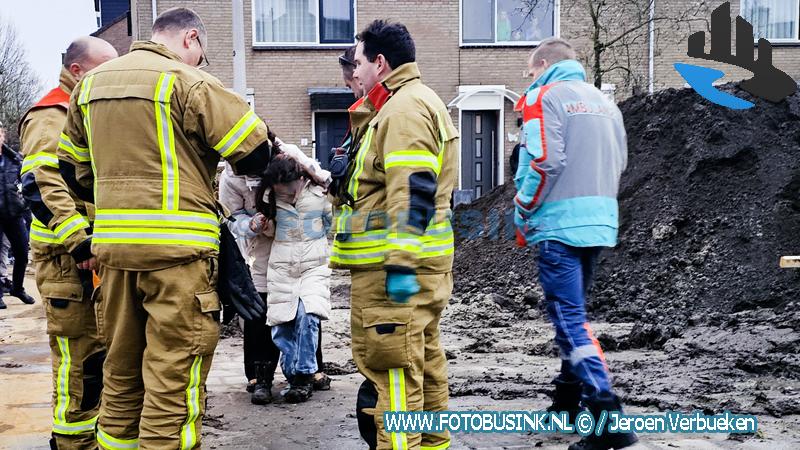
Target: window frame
{"x":461,"y":43}
{"x":778,"y":41}
{"x":300,"y":45}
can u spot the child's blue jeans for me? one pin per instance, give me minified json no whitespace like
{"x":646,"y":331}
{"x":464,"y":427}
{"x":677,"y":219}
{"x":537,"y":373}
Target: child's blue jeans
{"x":297,"y":341}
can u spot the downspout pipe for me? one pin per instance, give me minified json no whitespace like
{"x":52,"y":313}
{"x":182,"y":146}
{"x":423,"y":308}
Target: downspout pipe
{"x":651,"y":65}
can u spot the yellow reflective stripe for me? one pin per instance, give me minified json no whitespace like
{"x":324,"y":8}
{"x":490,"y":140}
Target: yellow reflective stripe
{"x":439,"y":240}
{"x":71,"y":226}
{"x":442,"y":139}
{"x":341,"y":219}
{"x":62,"y":380}
{"x":39,"y":236}
{"x":86,"y":426}
{"x":444,"y":446}
{"x":361,"y":156}
{"x":110,"y":224}
{"x":360,"y":244}
{"x":370,"y":247}
{"x":79,"y":153}
{"x":86,"y":87}
{"x":359,"y":256}
{"x":397,"y":399}
{"x":41,"y":233}
{"x":188,"y":432}
{"x":166,"y":142}
{"x":38,"y":160}
{"x":412,"y":158}
{"x":110,"y":442}
{"x":110,"y":219}
{"x":145,"y":212}
{"x":237,"y":134}
{"x":438,"y":249}
{"x":404,"y":242}
{"x":83,"y":97}
{"x":149,"y":236}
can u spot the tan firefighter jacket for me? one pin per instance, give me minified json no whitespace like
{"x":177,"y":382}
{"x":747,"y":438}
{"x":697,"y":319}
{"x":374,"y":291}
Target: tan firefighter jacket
{"x":43,"y":186}
{"x":396,"y":213}
{"x":147,"y":131}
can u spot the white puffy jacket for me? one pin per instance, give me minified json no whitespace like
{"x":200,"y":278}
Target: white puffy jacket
{"x":238,"y":194}
{"x":298,"y":264}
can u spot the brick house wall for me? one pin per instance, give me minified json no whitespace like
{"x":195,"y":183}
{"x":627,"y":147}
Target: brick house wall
{"x":280,"y":78}
{"x":116,"y":34}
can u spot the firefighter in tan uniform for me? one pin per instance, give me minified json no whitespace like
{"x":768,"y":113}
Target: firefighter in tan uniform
{"x":394,"y":234}
{"x":77,"y":353}
{"x":146,"y":131}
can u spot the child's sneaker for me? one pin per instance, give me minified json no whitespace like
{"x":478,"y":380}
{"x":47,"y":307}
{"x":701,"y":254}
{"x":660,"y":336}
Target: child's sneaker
{"x":302,"y":389}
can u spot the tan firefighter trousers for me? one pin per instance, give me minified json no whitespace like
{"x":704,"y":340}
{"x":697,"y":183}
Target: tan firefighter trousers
{"x":161,"y":328}
{"x":76,"y":352}
{"x":396,"y":347}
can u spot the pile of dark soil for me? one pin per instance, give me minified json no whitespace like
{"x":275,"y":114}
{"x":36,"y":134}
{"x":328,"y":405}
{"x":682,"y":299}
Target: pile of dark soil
{"x":709,"y":203}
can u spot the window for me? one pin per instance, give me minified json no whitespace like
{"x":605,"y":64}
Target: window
{"x":776,"y":20}
{"x":303,"y":22}
{"x":507,"y":22}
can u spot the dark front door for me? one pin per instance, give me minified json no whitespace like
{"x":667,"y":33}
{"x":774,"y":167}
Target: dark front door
{"x":478,"y":144}
{"x":331,"y":127}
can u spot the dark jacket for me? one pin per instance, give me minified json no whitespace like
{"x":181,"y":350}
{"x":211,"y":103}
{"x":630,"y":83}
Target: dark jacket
{"x":11,"y":203}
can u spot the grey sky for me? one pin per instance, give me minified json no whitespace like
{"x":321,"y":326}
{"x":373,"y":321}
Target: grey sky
{"x":46,"y":27}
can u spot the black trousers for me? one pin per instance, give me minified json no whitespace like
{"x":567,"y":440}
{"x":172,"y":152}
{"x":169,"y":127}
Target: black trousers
{"x":16,"y":232}
{"x":258,"y":345}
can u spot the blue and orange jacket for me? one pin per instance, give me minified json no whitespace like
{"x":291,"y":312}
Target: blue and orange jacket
{"x":574,"y":153}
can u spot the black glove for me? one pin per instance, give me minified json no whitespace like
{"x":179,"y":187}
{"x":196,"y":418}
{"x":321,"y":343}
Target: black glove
{"x":235,"y":287}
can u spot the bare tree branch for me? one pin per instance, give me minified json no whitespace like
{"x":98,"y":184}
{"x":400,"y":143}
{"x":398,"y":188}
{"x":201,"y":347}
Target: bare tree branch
{"x":620,"y":29}
{"x":19,"y":84}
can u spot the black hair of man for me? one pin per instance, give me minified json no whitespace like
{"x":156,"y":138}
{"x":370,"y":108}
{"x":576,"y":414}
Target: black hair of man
{"x":179,"y":19}
{"x":390,"y":39}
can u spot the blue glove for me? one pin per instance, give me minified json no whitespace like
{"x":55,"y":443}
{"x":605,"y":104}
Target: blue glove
{"x":401,"y":286}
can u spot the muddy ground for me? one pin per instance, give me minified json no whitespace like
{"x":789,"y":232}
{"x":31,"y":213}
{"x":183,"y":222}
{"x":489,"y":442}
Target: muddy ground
{"x":709,"y":203}
{"x":691,"y":307}
{"x":499,"y":360}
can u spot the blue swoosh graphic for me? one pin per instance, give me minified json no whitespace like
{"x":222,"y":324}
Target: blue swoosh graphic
{"x":701,"y":79}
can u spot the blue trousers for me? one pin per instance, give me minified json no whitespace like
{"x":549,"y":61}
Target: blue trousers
{"x":297,"y":341}
{"x":566,"y":274}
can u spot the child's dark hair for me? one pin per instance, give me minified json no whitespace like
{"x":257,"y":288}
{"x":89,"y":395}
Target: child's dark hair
{"x":280,"y":170}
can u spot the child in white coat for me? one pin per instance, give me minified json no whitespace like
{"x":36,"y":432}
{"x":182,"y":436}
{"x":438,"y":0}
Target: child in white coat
{"x":298,"y":276}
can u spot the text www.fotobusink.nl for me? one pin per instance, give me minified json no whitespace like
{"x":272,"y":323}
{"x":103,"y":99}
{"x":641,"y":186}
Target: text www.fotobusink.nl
{"x":558,"y":422}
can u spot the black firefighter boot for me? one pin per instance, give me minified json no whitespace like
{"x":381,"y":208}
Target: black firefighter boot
{"x":605,"y":402}
{"x":262,"y":390}
{"x":301,"y":388}
{"x":567,"y":398}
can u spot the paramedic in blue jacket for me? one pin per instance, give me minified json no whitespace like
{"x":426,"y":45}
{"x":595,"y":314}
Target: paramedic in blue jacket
{"x":566,"y":204}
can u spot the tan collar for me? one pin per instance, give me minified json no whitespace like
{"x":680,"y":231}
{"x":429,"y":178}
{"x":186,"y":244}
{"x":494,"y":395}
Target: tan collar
{"x":155,"y":47}
{"x":66,"y":81}
{"x":401,"y":76}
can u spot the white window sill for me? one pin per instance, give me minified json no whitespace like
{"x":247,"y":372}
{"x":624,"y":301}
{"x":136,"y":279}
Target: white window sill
{"x":500,"y":44}
{"x":299,"y":46}
{"x":781,"y":42}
